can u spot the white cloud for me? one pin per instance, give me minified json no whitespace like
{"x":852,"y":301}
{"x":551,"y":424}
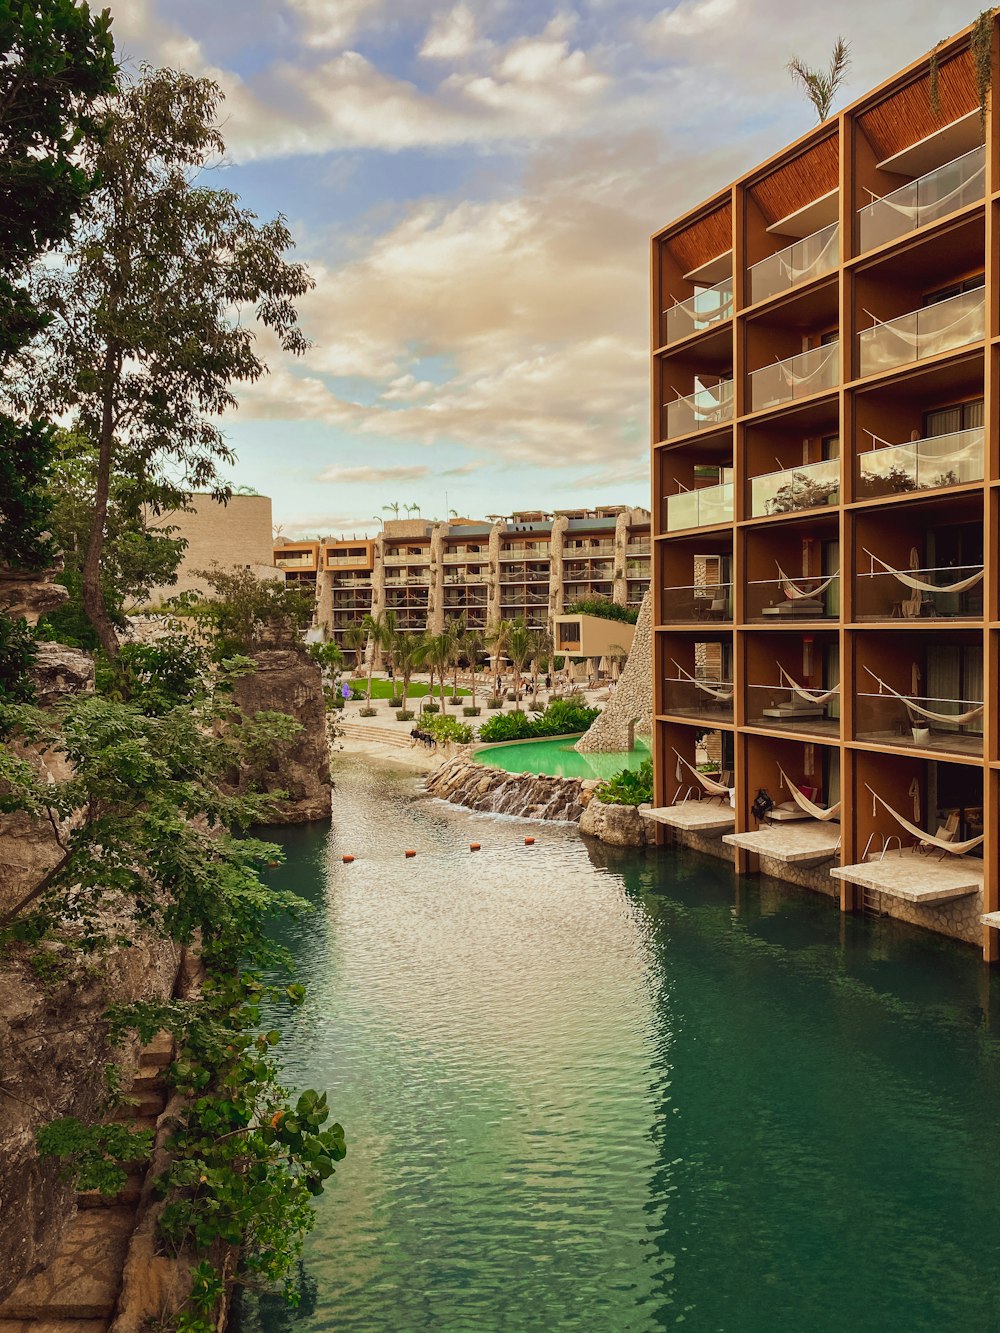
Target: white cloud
{"x":363,"y":476}
{"x":451,"y":36}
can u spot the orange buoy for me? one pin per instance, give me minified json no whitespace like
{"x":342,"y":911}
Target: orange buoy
{"x":409,"y":853}
{"x":473,"y":846}
{"x":529,"y":842}
{"x":347,"y":860}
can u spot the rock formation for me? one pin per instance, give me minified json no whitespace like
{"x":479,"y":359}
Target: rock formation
{"x":26,"y":595}
{"x":619,"y":825}
{"x":494,"y":791}
{"x":629,"y":711}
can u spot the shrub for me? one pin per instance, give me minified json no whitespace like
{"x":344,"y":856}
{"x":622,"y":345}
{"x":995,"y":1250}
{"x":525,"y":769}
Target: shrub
{"x":629,"y":787}
{"x":603,"y":607}
{"x":367,"y":712}
{"x":472,"y":712}
{"x":396,"y":701}
{"x":445,"y":728}
{"x":455,"y":700}
{"x":512,"y":697}
{"x":507,"y":727}
{"x":494,"y":701}
{"x":562,"y":717}
{"x":404,"y":715}
{"x":431,"y":708}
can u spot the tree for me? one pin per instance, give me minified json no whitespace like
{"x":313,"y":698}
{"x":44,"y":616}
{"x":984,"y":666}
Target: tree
{"x":378,"y":633}
{"x":473,"y":644}
{"x":247,"y":613}
{"x":147,"y":337}
{"x":355,"y":638}
{"x":438,"y":658}
{"x":455,"y":634}
{"x":393,"y":508}
{"x":408,"y":652}
{"x":520,"y":646}
{"x":821,"y":86}
{"x":541,"y":651}
{"x":58,"y":59}
{"x":497,"y":638}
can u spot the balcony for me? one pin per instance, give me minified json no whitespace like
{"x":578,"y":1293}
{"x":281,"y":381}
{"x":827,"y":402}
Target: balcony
{"x":922,"y":465}
{"x":954,"y":725}
{"x":704,"y":409}
{"x":942,"y":191}
{"x":806,"y":487}
{"x":699,"y":509}
{"x":339,"y":561}
{"x":786,"y":709}
{"x":796,"y":377}
{"x":296,"y":562}
{"x":711,"y":602}
{"x":806,"y":597}
{"x":600,"y":550}
{"x":940,"y":592}
{"x":808,"y":258}
{"x":701,"y":311}
{"x":922,"y":333}
{"x":465,"y":557}
{"x":708,"y":700}
{"x":407,"y":559}
{"x":526,"y":552}
{"x":637,"y":548}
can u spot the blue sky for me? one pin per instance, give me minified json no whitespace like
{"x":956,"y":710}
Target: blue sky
{"x":473,"y":185}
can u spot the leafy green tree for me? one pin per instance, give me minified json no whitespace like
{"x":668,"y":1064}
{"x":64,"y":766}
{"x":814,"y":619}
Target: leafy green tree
{"x":379,"y":630}
{"x":520,"y":646}
{"x":57,"y":60}
{"x":245,"y":613}
{"x":409,"y":650}
{"x":437,"y":656}
{"x":355,"y":640}
{"x":473,"y":646}
{"x":149,"y":335}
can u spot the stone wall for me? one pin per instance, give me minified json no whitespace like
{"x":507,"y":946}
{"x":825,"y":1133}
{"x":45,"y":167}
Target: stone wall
{"x":232,"y":536}
{"x":619,"y":825}
{"x":630,"y":709}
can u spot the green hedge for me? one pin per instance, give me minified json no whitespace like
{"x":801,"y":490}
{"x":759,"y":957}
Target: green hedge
{"x":629,"y":787}
{"x":561,"y":718}
{"x":603,"y":607}
{"x":447,"y":728}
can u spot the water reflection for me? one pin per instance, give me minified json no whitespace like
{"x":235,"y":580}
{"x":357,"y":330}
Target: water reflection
{"x":593,"y":1089}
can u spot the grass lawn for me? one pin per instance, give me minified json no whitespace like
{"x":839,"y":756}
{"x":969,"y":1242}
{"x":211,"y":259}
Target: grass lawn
{"x":387,"y":689}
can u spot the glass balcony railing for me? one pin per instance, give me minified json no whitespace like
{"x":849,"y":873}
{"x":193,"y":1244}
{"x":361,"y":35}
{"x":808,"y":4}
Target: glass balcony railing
{"x":933,"y":196}
{"x":805,"y":487}
{"x":526,"y":552}
{"x":805,"y":259}
{"x":710,"y":699}
{"x":702,"y":410}
{"x":922,"y":465}
{"x":925,"y":332}
{"x":956,"y":724}
{"x":784,"y":708}
{"x":296,"y":562}
{"x":813,"y":597}
{"x":796,"y":377}
{"x":955,"y":590}
{"x":700,"y":508}
{"x":701,"y":311}
{"x":702,"y":601}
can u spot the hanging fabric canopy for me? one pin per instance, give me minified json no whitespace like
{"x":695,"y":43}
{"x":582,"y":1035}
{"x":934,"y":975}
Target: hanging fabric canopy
{"x":960,"y":719}
{"x":714,"y":788}
{"x":725,"y":696}
{"x":812,"y":696}
{"x":955,"y":848}
{"x":804,"y":803}
{"x":921,"y":585}
{"x":795,"y":593}
{"x":810,"y":262}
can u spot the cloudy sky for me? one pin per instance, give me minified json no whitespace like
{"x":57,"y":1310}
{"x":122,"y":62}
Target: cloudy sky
{"x":473,"y":186}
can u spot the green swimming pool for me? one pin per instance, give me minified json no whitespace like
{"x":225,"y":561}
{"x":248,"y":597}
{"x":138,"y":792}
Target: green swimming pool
{"x":558,"y":759}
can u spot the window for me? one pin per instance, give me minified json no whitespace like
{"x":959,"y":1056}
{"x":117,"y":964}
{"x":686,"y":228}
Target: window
{"x":947,"y":420}
{"x":955,"y":289}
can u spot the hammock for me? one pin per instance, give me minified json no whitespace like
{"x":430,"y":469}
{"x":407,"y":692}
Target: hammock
{"x":724,"y":695}
{"x":795,"y":272}
{"x":959,"y":719}
{"x":812,"y":696}
{"x":804,"y":803}
{"x":714,"y":788}
{"x":955,"y":848}
{"x":967,"y":453}
{"x":914,"y":211}
{"x":791,"y":377}
{"x":972,"y":312}
{"x":921,"y":585}
{"x":795,"y":593}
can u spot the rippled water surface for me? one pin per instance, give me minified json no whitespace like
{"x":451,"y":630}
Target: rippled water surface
{"x":602,"y":1091}
{"x":559,"y":759}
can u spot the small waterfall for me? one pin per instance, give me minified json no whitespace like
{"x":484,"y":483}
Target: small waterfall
{"x":494,"y":791}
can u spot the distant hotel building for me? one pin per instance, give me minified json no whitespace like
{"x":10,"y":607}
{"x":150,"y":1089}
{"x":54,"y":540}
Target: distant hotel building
{"x":428,"y":574}
{"x":826,"y":484}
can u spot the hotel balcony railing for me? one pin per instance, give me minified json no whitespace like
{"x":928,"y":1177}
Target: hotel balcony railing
{"x":805,"y":259}
{"x":471,"y":576}
{"x":525,"y":578}
{"x":702,"y":410}
{"x":702,"y":601}
{"x":772,"y":600}
{"x":882,"y":718}
{"x":637,"y":570}
{"x":541,"y":551}
{"x":573,"y":570}
{"x":925,"y":332}
{"x":638,"y":548}
{"x":805,"y":487}
{"x":701,"y":311}
{"x":796,"y":377}
{"x":296,"y":562}
{"x":408,"y":580}
{"x":600,"y":550}
{"x":683,"y":698}
{"x":933,"y":196}
{"x":922,"y":465}
{"x":463,"y":557}
{"x":396,"y":559}
{"x":700,"y":508}
{"x":337,"y":561}
{"x":778,"y":706}
{"x":882,"y":596}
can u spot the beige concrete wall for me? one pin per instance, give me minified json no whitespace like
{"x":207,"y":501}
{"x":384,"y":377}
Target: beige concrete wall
{"x":232,"y":536}
{"x":598,"y":637}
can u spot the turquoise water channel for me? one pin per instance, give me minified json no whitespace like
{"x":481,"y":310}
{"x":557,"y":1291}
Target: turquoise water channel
{"x":613,"y":1092}
{"x":559,"y":759}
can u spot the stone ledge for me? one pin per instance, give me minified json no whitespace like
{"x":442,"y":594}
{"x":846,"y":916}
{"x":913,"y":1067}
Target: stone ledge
{"x":896,"y":876}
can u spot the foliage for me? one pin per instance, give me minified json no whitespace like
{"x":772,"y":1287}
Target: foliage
{"x":367,"y":712}
{"x":18,"y":646}
{"x":628,"y":787}
{"x":604,"y":608}
{"x":934,"y":84}
{"x":58,"y":58}
{"x":146,"y":339}
{"x":404,"y":715}
{"x":95,"y":1153}
{"x":154,"y":676}
{"x":981,"y":45}
{"x":429,"y":708}
{"x":472,"y":711}
{"x":494,"y":701}
{"x":445,"y":728}
{"x":247,"y":613}
{"x":821,"y":85}
{"x":516,"y":726}
{"x":562,"y":717}
{"x":385,"y":689}
{"x":801,"y":492}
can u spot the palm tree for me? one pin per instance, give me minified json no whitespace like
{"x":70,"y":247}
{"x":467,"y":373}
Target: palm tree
{"x":393,"y":508}
{"x":355,"y":640}
{"x":497,"y":640}
{"x":455,"y":633}
{"x":821,"y":86}
{"x":541,"y":650}
{"x":438,"y":658}
{"x":412,"y":509}
{"x":473,"y":642}
{"x":519,"y":648}
{"x":378,"y":631}
{"x":408,"y":650}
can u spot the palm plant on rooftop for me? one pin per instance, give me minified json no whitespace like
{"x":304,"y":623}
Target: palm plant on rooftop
{"x":821,"y":85}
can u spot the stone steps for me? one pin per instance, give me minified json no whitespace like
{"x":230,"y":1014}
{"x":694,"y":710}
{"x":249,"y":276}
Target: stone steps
{"x":357,"y":731}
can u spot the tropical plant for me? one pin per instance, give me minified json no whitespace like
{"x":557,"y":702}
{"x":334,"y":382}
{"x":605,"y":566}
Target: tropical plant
{"x":445,"y":728}
{"x":821,"y":85}
{"x":245,"y":613}
{"x":393,"y":508}
{"x":355,"y":639}
{"x":520,"y":645}
{"x":981,"y":45}
{"x":629,"y":786}
{"x":437,"y":656}
{"x":409,"y":648}
{"x":562,"y":717}
{"x":379,"y":630}
{"x":541,"y":651}
{"x":604,"y":608}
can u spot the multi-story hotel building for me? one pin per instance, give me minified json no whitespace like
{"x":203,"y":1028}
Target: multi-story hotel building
{"x":428,"y":574}
{"x":826,"y":481}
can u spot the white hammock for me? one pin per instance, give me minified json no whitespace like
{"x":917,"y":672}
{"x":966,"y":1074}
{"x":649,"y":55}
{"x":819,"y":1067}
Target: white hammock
{"x":921,"y":585}
{"x":724,"y":695}
{"x":914,"y":211}
{"x":795,"y":593}
{"x":955,"y":848}
{"x":959,"y":719}
{"x":804,"y":803}
{"x":791,"y":377}
{"x":972,"y":312}
{"x":812,"y":696}
{"x":714,"y":788}
{"x":795,"y":272}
